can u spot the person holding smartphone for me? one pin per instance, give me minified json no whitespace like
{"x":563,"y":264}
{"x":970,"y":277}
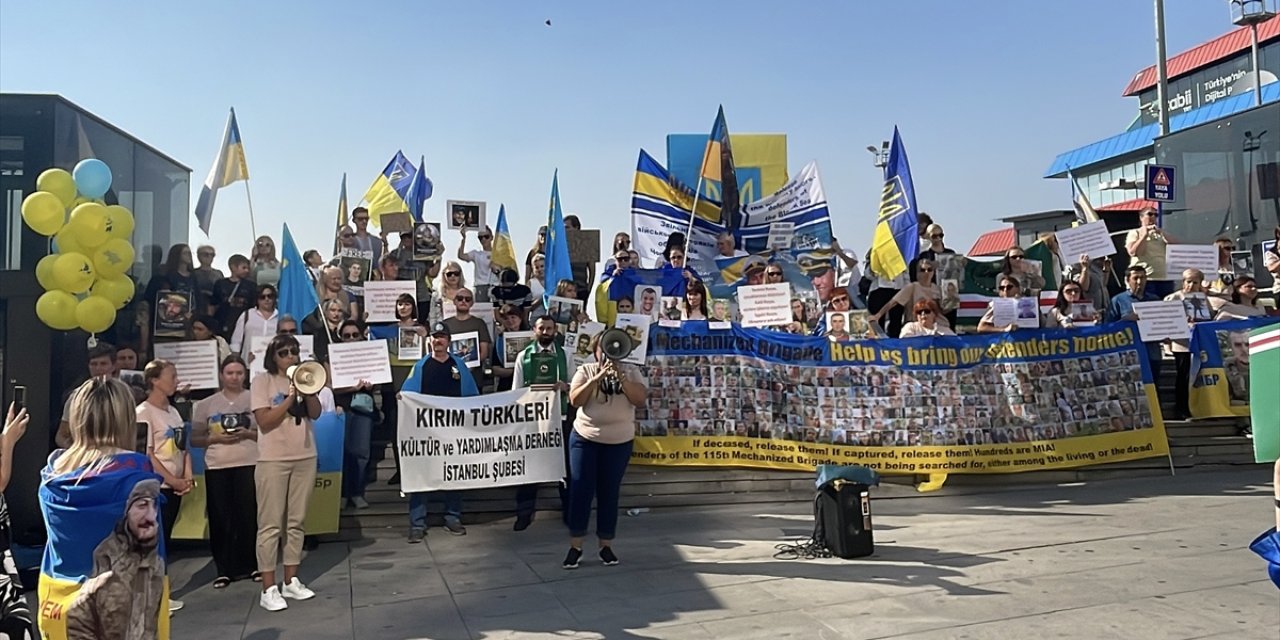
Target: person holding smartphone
{"x":224,"y":425}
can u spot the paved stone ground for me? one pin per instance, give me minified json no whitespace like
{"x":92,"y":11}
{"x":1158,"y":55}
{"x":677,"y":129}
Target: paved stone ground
{"x":1141,"y":558}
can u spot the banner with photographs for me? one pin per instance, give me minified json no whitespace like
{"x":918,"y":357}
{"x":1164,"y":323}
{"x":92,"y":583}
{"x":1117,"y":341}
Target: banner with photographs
{"x":322,"y":509}
{"x":1221,"y":381}
{"x":973,"y":404}
{"x":495,"y":440}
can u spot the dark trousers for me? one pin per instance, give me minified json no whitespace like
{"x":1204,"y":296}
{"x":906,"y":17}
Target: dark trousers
{"x":892,"y":321}
{"x":232,"y":506}
{"x":597,"y":473}
{"x":527,"y":494}
{"x":169,"y":513}
{"x":1182,"y":386}
{"x":355,"y":453}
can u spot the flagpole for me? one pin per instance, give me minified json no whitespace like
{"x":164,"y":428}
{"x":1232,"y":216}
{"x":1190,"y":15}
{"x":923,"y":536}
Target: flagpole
{"x":693,"y":213}
{"x":253,"y":226}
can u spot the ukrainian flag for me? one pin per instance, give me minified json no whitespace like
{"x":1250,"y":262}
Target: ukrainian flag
{"x":228,"y":167}
{"x":504,"y":251}
{"x":896,"y":242}
{"x":390,"y":191}
{"x":659,"y":193}
{"x":420,"y":189}
{"x":342,"y":213}
{"x":717,"y":166}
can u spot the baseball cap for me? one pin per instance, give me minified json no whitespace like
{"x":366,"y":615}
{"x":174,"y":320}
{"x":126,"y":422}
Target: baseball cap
{"x":439,"y":328}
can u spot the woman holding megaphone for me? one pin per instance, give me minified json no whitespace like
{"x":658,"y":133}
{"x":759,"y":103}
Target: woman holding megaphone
{"x":286,"y":470}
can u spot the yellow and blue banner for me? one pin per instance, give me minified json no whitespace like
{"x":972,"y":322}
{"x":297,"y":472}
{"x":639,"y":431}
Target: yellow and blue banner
{"x":228,"y":166}
{"x":556,"y":250}
{"x":504,"y":250}
{"x":759,"y":162}
{"x":104,"y":573}
{"x":390,"y":190}
{"x":324,"y":507}
{"x":420,"y":189}
{"x":662,"y":204}
{"x":717,"y":166}
{"x":1220,"y":366}
{"x":896,"y":241}
{"x":1047,"y":399}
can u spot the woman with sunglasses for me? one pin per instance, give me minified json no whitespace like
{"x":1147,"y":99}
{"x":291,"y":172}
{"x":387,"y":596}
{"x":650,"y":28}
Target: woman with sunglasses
{"x":922,"y":287}
{"x":1071,"y":309}
{"x":539,"y":249}
{"x":286,"y":471}
{"x":676,"y":260}
{"x":357,"y":402}
{"x":266,"y":268}
{"x":1007,"y":287}
{"x":1147,"y":246}
{"x":621,"y":244}
{"x":223,"y":425}
{"x":451,"y":280}
{"x":1015,"y":264}
{"x":695,"y":302}
{"x":482,"y":260}
{"x":927,"y":323}
{"x":257,"y":322}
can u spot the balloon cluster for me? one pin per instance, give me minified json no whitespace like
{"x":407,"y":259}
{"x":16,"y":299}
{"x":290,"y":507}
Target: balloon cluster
{"x":84,"y":278}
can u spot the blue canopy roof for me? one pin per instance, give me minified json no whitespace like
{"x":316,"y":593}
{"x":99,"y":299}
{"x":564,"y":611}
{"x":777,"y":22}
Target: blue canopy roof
{"x":1143,"y":137}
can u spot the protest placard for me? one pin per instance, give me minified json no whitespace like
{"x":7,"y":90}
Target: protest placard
{"x":258,"y":351}
{"x":466,"y":346}
{"x":196,"y":362}
{"x":380,"y":298}
{"x":1180,"y":257}
{"x":584,"y":245}
{"x":513,"y":342}
{"x":1093,"y":240}
{"x":1160,"y":320}
{"x":351,"y":362}
{"x":495,"y":440}
{"x":781,"y":235}
{"x":637,"y":326}
{"x":1004,"y":312}
{"x":410,"y":344}
{"x":764,"y":305}
{"x":466,"y":214}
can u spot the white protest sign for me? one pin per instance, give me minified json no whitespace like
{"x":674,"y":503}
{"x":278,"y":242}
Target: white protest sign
{"x":380,"y":298}
{"x":780,"y":235}
{"x":466,"y":346}
{"x":1162,"y":319}
{"x":495,"y":440}
{"x":1093,"y":240}
{"x":410,"y":344}
{"x":351,"y":362}
{"x":196,"y":361}
{"x":1180,"y":257}
{"x":1004,"y":312}
{"x":258,"y":351}
{"x":513,"y":342}
{"x":637,"y":326}
{"x":764,"y":305}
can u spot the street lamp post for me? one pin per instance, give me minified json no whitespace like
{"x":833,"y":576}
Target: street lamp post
{"x":1251,"y":13}
{"x":880,"y":156}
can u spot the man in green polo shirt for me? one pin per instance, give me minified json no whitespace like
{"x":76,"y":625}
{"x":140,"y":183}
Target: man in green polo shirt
{"x":543,"y":363}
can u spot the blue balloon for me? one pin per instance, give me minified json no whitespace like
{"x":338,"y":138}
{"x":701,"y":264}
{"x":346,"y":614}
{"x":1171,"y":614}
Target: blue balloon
{"x":93,"y":178}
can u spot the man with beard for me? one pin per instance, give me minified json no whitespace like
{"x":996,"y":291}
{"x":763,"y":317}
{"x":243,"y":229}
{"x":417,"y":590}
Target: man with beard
{"x":543,"y":363}
{"x":121,"y":598}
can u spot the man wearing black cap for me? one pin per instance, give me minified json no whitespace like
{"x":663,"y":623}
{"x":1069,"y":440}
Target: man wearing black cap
{"x":439,"y":373}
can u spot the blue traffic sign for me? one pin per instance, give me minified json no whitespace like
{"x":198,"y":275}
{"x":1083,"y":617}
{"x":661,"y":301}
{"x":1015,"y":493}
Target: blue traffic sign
{"x":1161,"y":183}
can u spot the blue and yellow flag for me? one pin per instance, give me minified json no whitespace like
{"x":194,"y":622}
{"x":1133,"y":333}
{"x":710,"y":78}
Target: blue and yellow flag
{"x":717,"y":166}
{"x":342,"y":213}
{"x":229,"y":166}
{"x":896,"y":242}
{"x":557,"y":247}
{"x":504,"y":250}
{"x":297,"y":295}
{"x":420,"y":189}
{"x":390,"y":190}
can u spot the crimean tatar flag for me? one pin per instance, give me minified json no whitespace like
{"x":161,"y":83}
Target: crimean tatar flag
{"x":229,"y":166}
{"x":504,"y":251}
{"x":557,"y":247}
{"x":896,"y":241}
{"x":420,"y":189}
{"x":389,"y":192}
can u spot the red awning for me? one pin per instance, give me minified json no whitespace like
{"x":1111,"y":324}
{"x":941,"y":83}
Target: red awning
{"x":994,"y":243}
{"x":1204,"y":55}
{"x":1137,"y":204}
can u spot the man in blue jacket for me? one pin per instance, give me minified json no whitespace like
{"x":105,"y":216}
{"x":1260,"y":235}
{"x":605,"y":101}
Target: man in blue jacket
{"x":439,"y":374}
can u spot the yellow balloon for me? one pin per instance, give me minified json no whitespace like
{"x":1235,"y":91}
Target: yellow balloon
{"x":118,"y":289}
{"x":120,"y":222}
{"x":113,"y":258}
{"x":73,"y":272}
{"x":78,"y":201}
{"x":57,"y":309}
{"x":44,"y":272}
{"x":43,"y":212}
{"x":95,"y":314}
{"x":60,"y":183}
{"x":67,"y":241}
{"x":91,"y":224}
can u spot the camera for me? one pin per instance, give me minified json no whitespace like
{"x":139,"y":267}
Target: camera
{"x":233,"y":422}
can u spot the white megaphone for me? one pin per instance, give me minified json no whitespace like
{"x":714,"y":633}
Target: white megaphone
{"x":308,"y":378}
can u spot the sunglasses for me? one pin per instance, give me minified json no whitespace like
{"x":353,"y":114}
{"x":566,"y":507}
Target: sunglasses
{"x":462,"y":299}
{"x":286,"y":351}
{"x":362,"y":219}
{"x":1229,"y":247}
{"x":773,"y":273}
{"x":622,"y":258}
{"x":1006,"y":287}
{"x":267,"y":296}
{"x":839,"y":299}
{"x":926,"y":269}
{"x":486,"y":237}
{"x":924,"y":312}
{"x":350,"y":336}
{"x":1017,"y":257}
{"x":347,"y":235}
{"x":1075,"y":291}
{"x":677,"y":256}
{"x":452,"y":274}
{"x":938,"y":236}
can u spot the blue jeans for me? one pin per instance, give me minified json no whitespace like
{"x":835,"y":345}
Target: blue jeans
{"x":596,"y":472}
{"x":418,"y":508}
{"x":355,"y":453}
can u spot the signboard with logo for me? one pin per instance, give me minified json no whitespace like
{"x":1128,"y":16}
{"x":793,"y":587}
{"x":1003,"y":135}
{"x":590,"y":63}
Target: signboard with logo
{"x":1160,"y":183}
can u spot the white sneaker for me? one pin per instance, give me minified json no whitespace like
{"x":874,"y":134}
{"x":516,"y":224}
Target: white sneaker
{"x":360,"y":502}
{"x":271,"y":600}
{"x":175,"y":605}
{"x":296,"y":590}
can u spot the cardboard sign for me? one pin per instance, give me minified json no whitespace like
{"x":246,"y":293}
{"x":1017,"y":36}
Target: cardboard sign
{"x":584,"y":245}
{"x":195,"y":360}
{"x":380,"y":298}
{"x":1093,"y":240}
{"x":1160,"y":320}
{"x":351,"y":362}
{"x":396,"y":222}
{"x":1180,"y":257}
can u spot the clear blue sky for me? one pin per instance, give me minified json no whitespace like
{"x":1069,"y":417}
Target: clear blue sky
{"x":986,"y":93}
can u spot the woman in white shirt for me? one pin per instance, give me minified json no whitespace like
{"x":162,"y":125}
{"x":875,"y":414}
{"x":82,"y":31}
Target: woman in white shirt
{"x":259,"y":321}
{"x":166,"y":438}
{"x":927,"y":322}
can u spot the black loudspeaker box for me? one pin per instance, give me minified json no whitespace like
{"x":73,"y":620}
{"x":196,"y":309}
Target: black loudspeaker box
{"x":844,"y":512}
